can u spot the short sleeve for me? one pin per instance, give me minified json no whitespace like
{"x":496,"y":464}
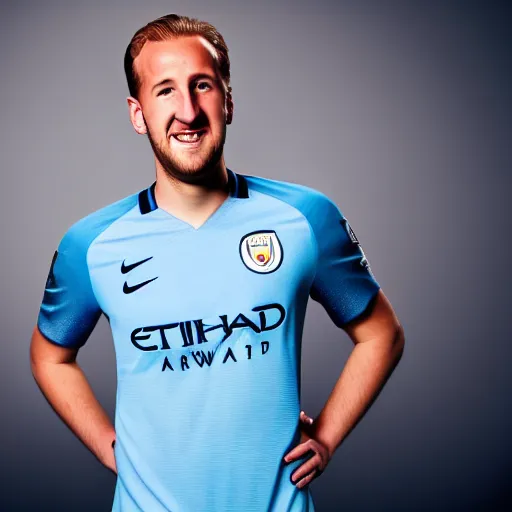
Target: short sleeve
{"x":344,"y":283}
{"x":69,"y":310}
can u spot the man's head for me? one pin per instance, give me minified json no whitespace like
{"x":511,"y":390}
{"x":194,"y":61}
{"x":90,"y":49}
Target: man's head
{"x":178,"y":75}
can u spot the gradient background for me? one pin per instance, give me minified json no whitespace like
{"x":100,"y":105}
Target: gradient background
{"x":400,"y":112}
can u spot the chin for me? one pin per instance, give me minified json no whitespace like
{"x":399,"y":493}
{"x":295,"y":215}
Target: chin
{"x":190,"y":173}
{"x":199,"y":166}
{"x":192,"y":168}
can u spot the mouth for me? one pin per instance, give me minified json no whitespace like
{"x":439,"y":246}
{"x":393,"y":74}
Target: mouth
{"x":189,"y":137}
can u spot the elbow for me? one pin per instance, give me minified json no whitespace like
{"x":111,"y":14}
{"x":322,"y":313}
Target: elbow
{"x":33,"y":356}
{"x":398,"y":342}
{"x":35,"y":368}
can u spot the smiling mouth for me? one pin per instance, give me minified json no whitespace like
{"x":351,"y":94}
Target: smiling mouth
{"x":189,"y":137}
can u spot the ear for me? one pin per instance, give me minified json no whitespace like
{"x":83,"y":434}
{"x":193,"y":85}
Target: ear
{"x":229,"y":107}
{"x":136,"y":117}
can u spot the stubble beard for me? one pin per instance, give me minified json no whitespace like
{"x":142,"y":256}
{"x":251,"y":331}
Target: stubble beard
{"x":198,"y":167}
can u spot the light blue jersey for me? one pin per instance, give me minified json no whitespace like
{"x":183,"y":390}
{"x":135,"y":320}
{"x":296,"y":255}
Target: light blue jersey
{"x":207,"y":326}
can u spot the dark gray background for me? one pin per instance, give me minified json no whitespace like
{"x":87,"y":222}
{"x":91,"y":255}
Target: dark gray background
{"x":400,"y":112}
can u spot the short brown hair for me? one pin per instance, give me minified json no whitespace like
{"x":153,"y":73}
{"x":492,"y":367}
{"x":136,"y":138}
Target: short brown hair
{"x":168,"y":27}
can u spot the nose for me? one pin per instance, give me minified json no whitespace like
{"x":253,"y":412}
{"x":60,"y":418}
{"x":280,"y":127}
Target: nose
{"x":188,"y":108}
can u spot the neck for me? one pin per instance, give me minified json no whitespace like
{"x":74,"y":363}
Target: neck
{"x":197,"y":198}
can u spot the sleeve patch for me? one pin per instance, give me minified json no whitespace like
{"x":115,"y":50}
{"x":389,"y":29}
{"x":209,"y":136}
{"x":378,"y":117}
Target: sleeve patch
{"x":50,"y":280}
{"x":349,"y":230}
{"x":353,"y":238}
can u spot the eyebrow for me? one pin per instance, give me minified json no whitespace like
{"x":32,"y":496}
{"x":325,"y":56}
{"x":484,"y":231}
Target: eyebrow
{"x":195,"y":77}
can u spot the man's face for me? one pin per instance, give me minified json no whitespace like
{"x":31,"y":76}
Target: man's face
{"x":182,"y":106}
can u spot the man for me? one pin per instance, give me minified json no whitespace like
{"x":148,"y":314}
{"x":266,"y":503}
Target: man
{"x":204,"y":277}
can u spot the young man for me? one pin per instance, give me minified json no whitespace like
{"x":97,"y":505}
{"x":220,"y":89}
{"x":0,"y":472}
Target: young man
{"x":204,"y":277}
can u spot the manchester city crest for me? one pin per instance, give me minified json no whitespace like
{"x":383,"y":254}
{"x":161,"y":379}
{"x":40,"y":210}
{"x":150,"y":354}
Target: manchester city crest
{"x":261,"y":251}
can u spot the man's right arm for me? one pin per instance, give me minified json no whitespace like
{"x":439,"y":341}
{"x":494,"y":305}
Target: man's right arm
{"x":66,"y":388}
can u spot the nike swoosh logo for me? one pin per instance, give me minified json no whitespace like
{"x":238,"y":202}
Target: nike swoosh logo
{"x":130,"y":289}
{"x":128,"y":268}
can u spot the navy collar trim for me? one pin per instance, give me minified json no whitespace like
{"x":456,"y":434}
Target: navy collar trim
{"x":237,"y":185}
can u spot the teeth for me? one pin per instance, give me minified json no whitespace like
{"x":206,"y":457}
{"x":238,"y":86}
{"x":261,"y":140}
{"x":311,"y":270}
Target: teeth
{"x":187,"y":137}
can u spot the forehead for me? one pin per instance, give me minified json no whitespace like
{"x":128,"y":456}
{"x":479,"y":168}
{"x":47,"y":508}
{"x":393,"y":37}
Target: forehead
{"x":174,"y":58}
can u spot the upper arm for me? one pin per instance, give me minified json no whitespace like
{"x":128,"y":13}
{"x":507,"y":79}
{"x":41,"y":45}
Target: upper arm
{"x":344,"y":283}
{"x":43,"y":351}
{"x":378,"y":321}
{"x":69,"y":310}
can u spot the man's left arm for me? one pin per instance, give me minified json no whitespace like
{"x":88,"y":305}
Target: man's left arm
{"x":347,"y":289}
{"x":378,"y":339}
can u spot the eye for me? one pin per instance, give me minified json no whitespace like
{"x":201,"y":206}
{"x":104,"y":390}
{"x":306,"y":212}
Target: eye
{"x":203,"y":86}
{"x":165,"y":92}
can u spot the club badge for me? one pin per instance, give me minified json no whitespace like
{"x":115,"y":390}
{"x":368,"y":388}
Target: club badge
{"x":261,"y":251}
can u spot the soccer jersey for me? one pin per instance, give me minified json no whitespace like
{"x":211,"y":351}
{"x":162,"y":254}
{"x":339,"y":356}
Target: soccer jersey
{"x":207,"y":326}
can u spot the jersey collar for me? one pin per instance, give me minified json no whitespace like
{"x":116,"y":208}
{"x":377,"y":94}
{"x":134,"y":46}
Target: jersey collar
{"x":236,"y":182}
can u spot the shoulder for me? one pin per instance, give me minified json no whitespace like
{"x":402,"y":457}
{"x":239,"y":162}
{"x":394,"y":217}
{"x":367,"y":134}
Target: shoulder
{"x":81,"y":233}
{"x":312,"y":203}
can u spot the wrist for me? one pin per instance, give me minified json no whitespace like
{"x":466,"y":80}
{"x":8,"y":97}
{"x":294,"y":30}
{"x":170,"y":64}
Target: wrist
{"x":322,"y":437}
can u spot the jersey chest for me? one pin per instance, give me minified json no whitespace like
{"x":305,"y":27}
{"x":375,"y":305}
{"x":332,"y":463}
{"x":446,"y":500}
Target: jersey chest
{"x":160,"y":270}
